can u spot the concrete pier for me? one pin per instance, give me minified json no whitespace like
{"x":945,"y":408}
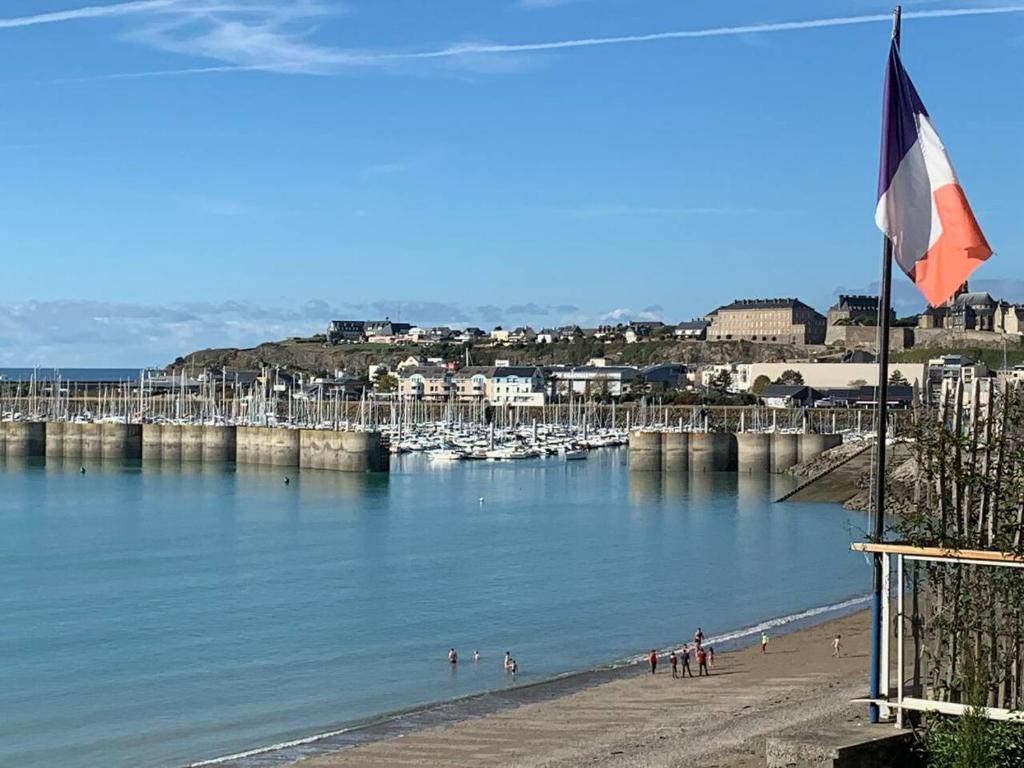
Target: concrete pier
{"x":645,"y":451}
{"x":753,"y":452}
{"x":218,"y":444}
{"x":268,"y":446}
{"x":675,"y":452}
{"x":24,"y":438}
{"x":152,"y":440}
{"x":343,"y":451}
{"x":170,"y":442}
{"x":785,"y":451}
{"x":55,"y":440}
{"x":746,"y":452}
{"x":712,"y":452}
{"x":120,"y":441}
{"x":811,"y":445}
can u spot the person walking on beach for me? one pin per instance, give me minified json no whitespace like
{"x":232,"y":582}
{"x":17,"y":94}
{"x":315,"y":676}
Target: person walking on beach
{"x":674,"y":661}
{"x":685,"y":653}
{"x":453,"y":657}
{"x":698,"y":637}
{"x":653,"y":660}
{"x":837,"y":646}
{"x":711,"y":656}
{"x":764,"y":642}
{"x":702,"y":663}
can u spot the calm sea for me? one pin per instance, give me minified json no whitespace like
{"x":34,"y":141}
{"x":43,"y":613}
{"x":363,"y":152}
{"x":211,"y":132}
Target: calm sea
{"x":157,"y":615}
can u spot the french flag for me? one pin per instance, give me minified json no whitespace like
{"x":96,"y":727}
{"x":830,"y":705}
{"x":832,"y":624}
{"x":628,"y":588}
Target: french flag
{"x":921,"y":207}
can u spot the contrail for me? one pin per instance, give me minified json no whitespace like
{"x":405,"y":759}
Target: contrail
{"x":781,"y":26}
{"x":89,"y":12}
{"x":341,"y":58}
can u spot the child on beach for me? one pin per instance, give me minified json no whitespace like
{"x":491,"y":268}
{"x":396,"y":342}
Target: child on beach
{"x":653,"y":660}
{"x":711,"y":656}
{"x":837,"y":647}
{"x":764,"y":642}
{"x":685,"y":653}
{"x":702,"y":663}
{"x":513,"y":668}
{"x":674,"y":661}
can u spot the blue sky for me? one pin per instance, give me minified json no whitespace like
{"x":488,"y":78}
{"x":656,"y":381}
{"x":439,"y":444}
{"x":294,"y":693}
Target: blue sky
{"x":184,"y":173}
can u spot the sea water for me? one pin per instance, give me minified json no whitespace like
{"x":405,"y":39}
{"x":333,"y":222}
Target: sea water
{"x":155,"y":615}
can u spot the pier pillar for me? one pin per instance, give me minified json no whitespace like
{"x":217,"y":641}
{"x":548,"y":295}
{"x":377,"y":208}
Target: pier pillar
{"x":170,"y":442}
{"x":675,"y":451}
{"x":191,"y":442}
{"x":813,"y":445}
{"x":72,"y":440}
{"x":712,"y":451}
{"x":283,"y":447}
{"x":247,"y":449}
{"x":25,"y":438}
{"x":92,"y":440}
{"x":219,"y":444}
{"x":55,"y":439}
{"x":645,"y":451}
{"x":785,"y":451}
{"x":753,"y":452}
{"x":121,"y":441}
{"x":152,"y":440}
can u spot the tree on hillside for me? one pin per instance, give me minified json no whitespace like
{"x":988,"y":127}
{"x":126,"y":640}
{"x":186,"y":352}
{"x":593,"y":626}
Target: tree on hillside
{"x":385,"y":382}
{"x":791,"y":378}
{"x":759,"y":384}
{"x":721,"y":381}
{"x":857,"y":383}
{"x":896,"y":378}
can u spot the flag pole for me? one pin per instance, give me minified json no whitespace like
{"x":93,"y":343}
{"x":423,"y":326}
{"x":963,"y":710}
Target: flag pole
{"x":882,"y":409}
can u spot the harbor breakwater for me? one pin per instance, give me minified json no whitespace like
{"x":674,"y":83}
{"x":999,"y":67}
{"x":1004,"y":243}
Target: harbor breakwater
{"x":273,"y":446}
{"x":680,"y":451}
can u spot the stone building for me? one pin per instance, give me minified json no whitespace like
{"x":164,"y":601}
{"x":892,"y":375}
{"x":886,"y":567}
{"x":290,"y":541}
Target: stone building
{"x":788,"y":321}
{"x":855,"y":306}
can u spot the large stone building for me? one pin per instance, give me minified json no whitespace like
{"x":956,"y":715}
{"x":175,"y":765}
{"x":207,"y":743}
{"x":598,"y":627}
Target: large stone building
{"x":788,"y":321}
{"x":852,"y":307}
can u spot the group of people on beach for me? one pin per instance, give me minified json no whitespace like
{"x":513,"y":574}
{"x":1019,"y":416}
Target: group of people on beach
{"x":680,"y":660}
{"x":511,"y":665}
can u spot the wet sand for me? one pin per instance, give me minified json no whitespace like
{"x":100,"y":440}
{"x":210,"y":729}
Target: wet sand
{"x":639,"y":719}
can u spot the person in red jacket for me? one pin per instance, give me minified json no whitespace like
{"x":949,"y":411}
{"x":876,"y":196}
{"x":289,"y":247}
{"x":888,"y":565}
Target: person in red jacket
{"x":702,"y":662}
{"x":653,"y":660}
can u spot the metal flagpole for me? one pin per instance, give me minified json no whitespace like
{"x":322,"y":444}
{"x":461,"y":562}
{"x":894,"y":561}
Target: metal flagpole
{"x":882,"y":409}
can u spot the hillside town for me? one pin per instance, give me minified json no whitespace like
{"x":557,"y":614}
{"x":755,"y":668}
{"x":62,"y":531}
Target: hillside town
{"x":810,"y":359}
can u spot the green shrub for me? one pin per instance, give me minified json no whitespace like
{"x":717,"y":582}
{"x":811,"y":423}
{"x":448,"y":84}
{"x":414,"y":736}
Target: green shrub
{"x":971,"y":741}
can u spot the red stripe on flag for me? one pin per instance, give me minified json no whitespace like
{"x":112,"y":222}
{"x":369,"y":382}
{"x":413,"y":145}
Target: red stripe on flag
{"x":957,"y":252}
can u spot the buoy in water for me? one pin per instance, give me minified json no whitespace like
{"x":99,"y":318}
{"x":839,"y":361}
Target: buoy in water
{"x":287,"y":480}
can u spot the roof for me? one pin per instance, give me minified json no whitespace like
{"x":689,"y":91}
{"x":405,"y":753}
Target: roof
{"x":742,"y":304}
{"x":423,"y":370}
{"x":524,"y":371}
{"x":473,"y":370}
{"x":975,"y":297}
{"x":858,"y":300}
{"x":785,"y":390}
{"x":693,"y":325}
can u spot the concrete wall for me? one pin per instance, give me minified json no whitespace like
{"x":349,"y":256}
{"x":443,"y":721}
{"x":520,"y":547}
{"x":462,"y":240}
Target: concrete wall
{"x":675,"y":452}
{"x":343,"y":451}
{"x":645,"y":451}
{"x":753,"y":452}
{"x":785,"y":451}
{"x":812,"y":445}
{"x":23,"y":438}
{"x":266,"y":445}
{"x":712,"y":452}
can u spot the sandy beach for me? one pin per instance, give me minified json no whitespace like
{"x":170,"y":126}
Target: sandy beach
{"x":655,"y":720}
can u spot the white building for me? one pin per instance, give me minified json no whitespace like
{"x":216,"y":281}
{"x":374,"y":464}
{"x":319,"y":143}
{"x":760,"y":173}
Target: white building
{"x":517,"y":386}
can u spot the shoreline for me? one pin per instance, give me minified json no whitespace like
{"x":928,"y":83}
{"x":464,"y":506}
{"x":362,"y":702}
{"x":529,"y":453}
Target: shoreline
{"x":390,"y":726}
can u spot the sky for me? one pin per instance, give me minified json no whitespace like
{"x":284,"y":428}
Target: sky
{"x":177,"y":174}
